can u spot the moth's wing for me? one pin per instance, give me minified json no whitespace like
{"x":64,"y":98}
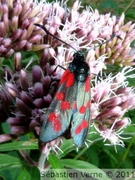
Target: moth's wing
{"x":81,"y":117}
{"x":58,"y":117}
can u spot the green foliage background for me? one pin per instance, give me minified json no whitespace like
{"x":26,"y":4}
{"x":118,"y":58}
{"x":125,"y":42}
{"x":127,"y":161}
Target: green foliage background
{"x":97,"y":156}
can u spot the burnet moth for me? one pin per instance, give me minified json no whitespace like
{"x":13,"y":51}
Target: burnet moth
{"x":70,"y":108}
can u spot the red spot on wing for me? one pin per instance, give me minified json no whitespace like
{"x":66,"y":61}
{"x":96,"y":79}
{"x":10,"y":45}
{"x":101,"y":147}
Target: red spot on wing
{"x":56,"y":123}
{"x":87,"y":84}
{"x":82,"y":110}
{"x":88,"y":104}
{"x":82,"y":126}
{"x":65,"y":105}
{"x":60,"y":96}
{"x":70,"y":80}
{"x":65,"y":76}
{"x":53,"y":116}
{"x":75,"y":105}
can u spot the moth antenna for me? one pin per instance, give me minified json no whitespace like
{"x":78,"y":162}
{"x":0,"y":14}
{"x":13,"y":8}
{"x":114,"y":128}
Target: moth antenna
{"x":47,"y":32}
{"x":114,"y":35}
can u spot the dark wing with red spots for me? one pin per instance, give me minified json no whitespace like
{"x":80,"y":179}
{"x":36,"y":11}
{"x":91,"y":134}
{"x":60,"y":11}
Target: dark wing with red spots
{"x":60,"y":112}
{"x":81,"y":117}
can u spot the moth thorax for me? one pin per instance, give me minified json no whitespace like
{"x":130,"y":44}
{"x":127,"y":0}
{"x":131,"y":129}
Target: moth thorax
{"x":82,"y":72}
{"x":72,"y":67}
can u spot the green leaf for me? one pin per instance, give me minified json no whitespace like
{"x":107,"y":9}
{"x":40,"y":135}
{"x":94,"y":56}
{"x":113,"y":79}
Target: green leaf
{"x":112,"y":155}
{"x":67,"y":147}
{"x":2,"y":176}
{"x":77,"y":164}
{"x":18,"y":146}
{"x":5,"y":127}
{"x":12,"y":172}
{"x":7,"y":161}
{"x":83,"y":167}
{"x":57,"y":166}
{"x":29,"y":173}
{"x":25,"y":172}
{"x":55,"y":162}
{"x":93,"y":156}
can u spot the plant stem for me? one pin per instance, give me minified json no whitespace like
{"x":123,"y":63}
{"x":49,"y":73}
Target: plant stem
{"x":128,"y":7}
{"x":41,"y":162}
{"x":28,"y":158}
